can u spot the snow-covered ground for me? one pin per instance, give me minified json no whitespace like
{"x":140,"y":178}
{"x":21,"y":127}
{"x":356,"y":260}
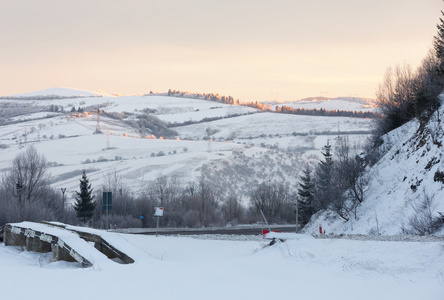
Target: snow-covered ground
{"x":187,"y":268}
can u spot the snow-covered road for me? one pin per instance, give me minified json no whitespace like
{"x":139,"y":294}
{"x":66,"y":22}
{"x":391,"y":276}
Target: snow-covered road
{"x":190,"y":268}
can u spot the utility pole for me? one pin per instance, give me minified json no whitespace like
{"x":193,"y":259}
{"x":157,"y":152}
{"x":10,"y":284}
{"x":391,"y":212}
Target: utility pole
{"x":297,"y":214}
{"x":98,"y":121}
{"x":63,"y":196}
{"x":263,"y":216}
{"x":107,"y":137}
{"x":63,"y":199}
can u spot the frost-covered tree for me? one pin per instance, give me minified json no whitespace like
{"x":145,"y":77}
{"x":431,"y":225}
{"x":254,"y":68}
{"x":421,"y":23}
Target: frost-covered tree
{"x":85,"y":204}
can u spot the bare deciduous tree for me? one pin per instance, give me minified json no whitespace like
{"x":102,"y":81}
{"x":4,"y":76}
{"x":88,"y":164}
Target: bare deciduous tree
{"x":423,"y":221}
{"x":28,"y":178}
{"x":396,"y":97}
{"x":232,"y":210}
{"x":270,"y":198}
{"x":350,"y":169}
{"x":209,"y":204}
{"x":26,"y":192}
{"x":350,"y":179}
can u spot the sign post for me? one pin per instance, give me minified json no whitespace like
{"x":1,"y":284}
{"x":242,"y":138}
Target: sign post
{"x":297,"y":214}
{"x":269,"y":228}
{"x":107,"y":205}
{"x":158,"y":212}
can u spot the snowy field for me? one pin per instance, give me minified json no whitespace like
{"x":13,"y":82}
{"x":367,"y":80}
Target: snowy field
{"x":189,"y":268}
{"x":70,"y":145}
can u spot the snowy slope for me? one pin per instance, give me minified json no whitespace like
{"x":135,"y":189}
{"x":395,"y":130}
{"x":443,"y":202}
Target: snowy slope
{"x":399,"y":182}
{"x":187,"y":268}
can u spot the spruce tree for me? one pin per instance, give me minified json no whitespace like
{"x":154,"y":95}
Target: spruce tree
{"x":324,"y":173}
{"x":438,"y":45}
{"x":306,"y":196}
{"x":84,"y":205}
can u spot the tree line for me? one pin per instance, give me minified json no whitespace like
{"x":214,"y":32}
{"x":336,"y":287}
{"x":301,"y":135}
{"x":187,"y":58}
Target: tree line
{"x":26,"y":194}
{"x":269,"y":108}
{"x":406,"y":94}
{"x":328,"y":113}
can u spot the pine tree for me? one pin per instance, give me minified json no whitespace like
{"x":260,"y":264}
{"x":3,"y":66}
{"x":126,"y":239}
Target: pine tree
{"x":84,"y":205}
{"x":438,"y":45}
{"x":324,"y":172}
{"x":306,"y":196}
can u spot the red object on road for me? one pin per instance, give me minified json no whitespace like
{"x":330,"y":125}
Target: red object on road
{"x":265,"y":232}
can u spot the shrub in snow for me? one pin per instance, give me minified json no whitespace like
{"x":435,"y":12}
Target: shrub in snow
{"x":102,"y":159}
{"x":439,"y":176}
{"x":423,"y":222}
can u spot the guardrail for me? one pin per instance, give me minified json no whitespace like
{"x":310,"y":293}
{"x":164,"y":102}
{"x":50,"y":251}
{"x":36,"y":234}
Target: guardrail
{"x":39,"y":241}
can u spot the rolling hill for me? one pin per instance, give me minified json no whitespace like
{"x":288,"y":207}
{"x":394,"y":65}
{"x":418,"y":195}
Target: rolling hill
{"x":143,"y":137}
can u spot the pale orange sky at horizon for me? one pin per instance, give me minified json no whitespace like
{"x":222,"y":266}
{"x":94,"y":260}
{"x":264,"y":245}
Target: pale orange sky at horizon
{"x":252,"y":50}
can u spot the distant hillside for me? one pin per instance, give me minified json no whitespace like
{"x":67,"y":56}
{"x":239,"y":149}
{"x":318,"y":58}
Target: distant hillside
{"x":315,"y":99}
{"x":55,"y":93}
{"x":341,"y":103}
{"x":137,"y":127}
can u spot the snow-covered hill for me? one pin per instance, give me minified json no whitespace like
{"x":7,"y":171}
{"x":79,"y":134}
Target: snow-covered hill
{"x":404,"y":184}
{"x":59,"y":91}
{"x":226,"y":141}
{"x":341,"y":103}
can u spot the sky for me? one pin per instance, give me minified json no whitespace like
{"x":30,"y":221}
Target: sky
{"x":253,"y":50}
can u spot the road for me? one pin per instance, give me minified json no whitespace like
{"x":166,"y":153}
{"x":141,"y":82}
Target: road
{"x":228,"y":231}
